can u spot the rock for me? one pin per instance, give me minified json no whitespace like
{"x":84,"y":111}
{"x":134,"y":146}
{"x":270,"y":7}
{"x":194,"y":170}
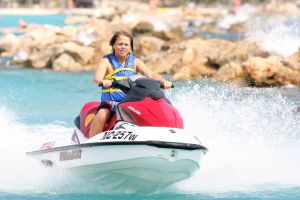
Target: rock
{"x":189,"y":55}
{"x":146,"y":45}
{"x":42,"y":58}
{"x":237,"y":28}
{"x":43,"y":36}
{"x":80,"y":53}
{"x":59,"y":39}
{"x":165,"y":64}
{"x":66,"y":63}
{"x":185,"y":73}
{"x":279,"y":7}
{"x":245,"y":49}
{"x":262,"y":71}
{"x":176,"y":34}
{"x":69,"y":31}
{"x":86,"y":37}
{"x":270,"y":71}
{"x":230,"y":72}
{"x":220,"y":52}
{"x":239,"y":82}
{"x":193,"y":72}
{"x":210,"y":27}
{"x":294,"y":61}
{"x":143,"y":27}
{"x":8,"y":44}
{"x":76,"y":19}
{"x":216,"y":51}
{"x":24,"y":48}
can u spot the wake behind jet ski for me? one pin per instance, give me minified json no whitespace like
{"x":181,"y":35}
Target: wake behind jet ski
{"x":144,"y":147}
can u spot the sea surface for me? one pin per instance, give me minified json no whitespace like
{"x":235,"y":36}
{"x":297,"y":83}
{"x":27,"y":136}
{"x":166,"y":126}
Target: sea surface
{"x":253,"y":134}
{"x":51,"y":19}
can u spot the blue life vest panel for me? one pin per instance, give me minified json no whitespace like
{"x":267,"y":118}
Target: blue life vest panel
{"x":120,"y":73}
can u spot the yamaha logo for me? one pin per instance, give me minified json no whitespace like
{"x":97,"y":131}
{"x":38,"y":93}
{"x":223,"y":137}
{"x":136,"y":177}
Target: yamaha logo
{"x":134,"y":110}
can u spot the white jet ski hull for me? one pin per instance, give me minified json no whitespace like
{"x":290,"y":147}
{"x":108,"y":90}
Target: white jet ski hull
{"x":129,"y":161}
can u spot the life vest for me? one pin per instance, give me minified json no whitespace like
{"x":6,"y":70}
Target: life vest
{"x":120,"y":73}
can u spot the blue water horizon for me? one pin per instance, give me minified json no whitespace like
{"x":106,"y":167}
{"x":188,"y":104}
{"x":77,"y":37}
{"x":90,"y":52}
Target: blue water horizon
{"x":8,"y":21}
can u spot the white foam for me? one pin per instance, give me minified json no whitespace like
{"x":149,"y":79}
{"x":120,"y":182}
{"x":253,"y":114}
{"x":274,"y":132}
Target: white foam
{"x":280,"y":35}
{"x":18,"y":172}
{"x":253,"y":139}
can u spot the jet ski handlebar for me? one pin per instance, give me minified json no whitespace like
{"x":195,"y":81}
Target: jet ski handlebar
{"x":126,"y":84}
{"x":123,"y":85}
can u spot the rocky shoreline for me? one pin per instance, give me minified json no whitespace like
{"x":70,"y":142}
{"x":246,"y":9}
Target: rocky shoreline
{"x":161,"y":41}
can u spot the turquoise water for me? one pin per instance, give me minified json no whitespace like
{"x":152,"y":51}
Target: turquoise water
{"x":252,"y":135}
{"x":31,"y":92}
{"x":165,"y":196}
{"x":12,"y":20}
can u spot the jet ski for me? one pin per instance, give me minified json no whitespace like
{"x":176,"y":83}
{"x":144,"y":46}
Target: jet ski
{"x":144,"y":147}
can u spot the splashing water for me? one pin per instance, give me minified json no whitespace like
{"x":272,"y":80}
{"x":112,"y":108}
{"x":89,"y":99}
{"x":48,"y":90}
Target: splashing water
{"x":18,"y":172}
{"x":280,"y":35}
{"x":252,"y":136}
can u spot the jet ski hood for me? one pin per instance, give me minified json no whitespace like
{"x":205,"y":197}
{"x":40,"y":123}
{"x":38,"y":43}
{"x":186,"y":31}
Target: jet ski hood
{"x":144,"y":87}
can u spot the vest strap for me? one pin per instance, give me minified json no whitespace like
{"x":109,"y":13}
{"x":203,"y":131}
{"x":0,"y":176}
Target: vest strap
{"x":111,"y":90}
{"x":110,"y":76}
{"x":118,"y":78}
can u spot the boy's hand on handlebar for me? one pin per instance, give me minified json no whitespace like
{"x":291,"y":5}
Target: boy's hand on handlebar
{"x":167,"y":84}
{"x":107,"y":83}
